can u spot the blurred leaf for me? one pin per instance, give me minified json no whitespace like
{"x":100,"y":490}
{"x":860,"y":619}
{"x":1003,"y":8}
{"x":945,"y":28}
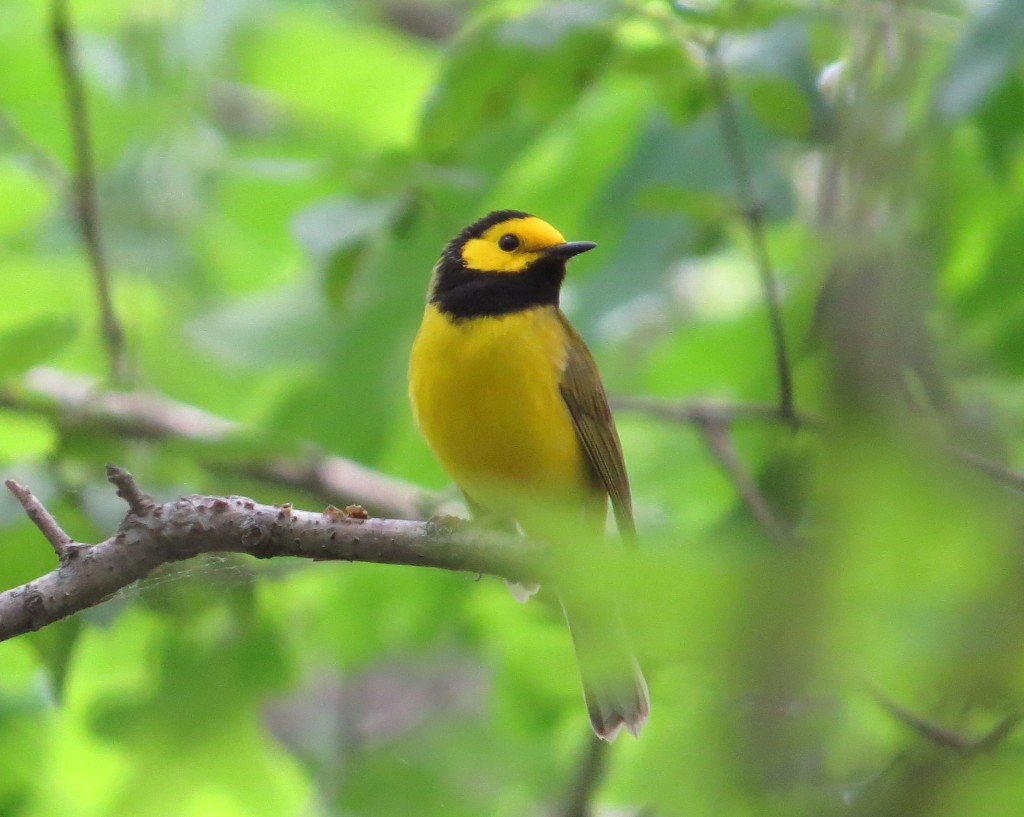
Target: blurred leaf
{"x":780,"y":105}
{"x":1002,"y":119}
{"x":645,"y":48}
{"x":368,"y":343}
{"x":988,"y":50}
{"x":508,"y":77}
{"x":26,"y":198}
{"x":34,"y":342}
{"x":285,"y":327}
{"x":55,"y":645}
{"x":733,"y":14}
{"x":774,"y":70}
{"x":339,"y":59}
{"x":335,"y":223}
{"x":23,"y":437}
{"x":338,"y":232}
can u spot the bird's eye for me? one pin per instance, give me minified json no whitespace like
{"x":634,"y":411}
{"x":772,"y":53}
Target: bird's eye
{"x":508,"y":242}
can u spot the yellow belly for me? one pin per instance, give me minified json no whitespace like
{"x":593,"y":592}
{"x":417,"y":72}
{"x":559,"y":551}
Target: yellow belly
{"x":486,"y":397}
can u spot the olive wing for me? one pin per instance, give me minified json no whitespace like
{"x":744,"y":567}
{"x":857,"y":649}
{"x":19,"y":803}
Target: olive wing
{"x":592,"y":420}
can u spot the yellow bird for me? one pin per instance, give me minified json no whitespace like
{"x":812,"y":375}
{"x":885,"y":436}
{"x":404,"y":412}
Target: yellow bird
{"x":510,"y":400}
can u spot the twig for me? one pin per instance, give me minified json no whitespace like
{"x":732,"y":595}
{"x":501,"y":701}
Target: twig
{"x":139,"y":503}
{"x":753,"y":217}
{"x":704,"y":410}
{"x":42,"y":519}
{"x":73,"y":402}
{"x":996,"y":470}
{"x":153,"y":534}
{"x":590,"y":772}
{"x":86,"y":201}
{"x":720,"y":442}
{"x":715,"y":412}
{"x":944,"y":736}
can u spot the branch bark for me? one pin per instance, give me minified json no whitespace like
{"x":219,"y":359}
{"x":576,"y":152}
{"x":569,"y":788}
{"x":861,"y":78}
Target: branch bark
{"x":724,"y":450}
{"x":591,"y":770}
{"x":86,"y":201}
{"x":705,"y":412}
{"x":154,"y":533}
{"x":710,"y":410}
{"x":944,"y":736}
{"x":753,"y":217}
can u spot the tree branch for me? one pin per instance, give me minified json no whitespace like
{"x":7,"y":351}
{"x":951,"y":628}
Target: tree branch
{"x":942,"y":735}
{"x":703,"y":410}
{"x":42,"y":519}
{"x":73,"y":402}
{"x":589,"y":774}
{"x":711,"y":411}
{"x":753,"y":217}
{"x":1002,"y":474}
{"x":152,"y":534}
{"x":86,"y":201}
{"x":720,"y":442}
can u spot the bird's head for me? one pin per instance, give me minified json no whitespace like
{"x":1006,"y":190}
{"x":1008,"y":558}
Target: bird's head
{"x":505,"y":261}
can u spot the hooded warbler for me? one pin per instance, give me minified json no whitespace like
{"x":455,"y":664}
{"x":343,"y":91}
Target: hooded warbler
{"x":510,"y":400}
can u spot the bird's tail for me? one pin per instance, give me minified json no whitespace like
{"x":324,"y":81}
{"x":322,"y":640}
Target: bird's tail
{"x":613,"y":683}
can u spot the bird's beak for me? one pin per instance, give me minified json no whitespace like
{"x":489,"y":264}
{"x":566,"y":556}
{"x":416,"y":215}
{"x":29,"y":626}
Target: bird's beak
{"x":570,"y":248}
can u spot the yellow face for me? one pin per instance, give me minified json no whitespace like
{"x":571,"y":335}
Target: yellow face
{"x":510,"y":246}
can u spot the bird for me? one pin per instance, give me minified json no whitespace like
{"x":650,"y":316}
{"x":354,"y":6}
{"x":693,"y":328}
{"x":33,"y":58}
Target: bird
{"x":509,"y":399}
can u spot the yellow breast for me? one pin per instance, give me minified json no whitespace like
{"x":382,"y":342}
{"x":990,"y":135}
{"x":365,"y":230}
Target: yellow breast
{"x":486,"y":396}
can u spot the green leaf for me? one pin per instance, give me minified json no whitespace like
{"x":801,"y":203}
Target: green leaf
{"x":25,"y":201}
{"x":338,"y":233}
{"x":779,"y":104}
{"x":319,"y":65}
{"x":289,"y":325}
{"x":1002,"y":121}
{"x":772,"y":68}
{"x":507,"y":78}
{"x":990,"y":48}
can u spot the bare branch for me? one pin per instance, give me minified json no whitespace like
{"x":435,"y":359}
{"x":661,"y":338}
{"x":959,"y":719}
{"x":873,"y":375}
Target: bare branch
{"x":153,"y":534}
{"x":86,"y":201}
{"x":720,"y":442}
{"x":753,"y":217}
{"x":139,"y":503}
{"x":996,"y":470}
{"x":722,"y":413}
{"x":589,"y":774}
{"x":42,"y":518}
{"x":944,"y":736}
{"x":71,"y":401}
{"x":703,"y":410}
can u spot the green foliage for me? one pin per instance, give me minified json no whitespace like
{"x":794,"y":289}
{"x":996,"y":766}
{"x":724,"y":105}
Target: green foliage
{"x":276,"y":180}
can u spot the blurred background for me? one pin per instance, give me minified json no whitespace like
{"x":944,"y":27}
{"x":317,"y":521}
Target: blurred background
{"x":828,"y":600}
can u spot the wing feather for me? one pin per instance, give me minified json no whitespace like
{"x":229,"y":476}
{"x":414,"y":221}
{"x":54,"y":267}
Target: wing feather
{"x":592,"y":419}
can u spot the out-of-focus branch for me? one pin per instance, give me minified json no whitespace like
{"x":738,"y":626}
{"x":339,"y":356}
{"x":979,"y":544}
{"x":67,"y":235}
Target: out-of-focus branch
{"x":589,"y":773}
{"x":714,"y":418}
{"x":74,"y":402}
{"x":86,"y":201}
{"x":153,"y":534}
{"x":703,"y":410}
{"x":942,"y":735}
{"x":996,"y":470}
{"x":721,"y":444}
{"x":753,"y":217}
